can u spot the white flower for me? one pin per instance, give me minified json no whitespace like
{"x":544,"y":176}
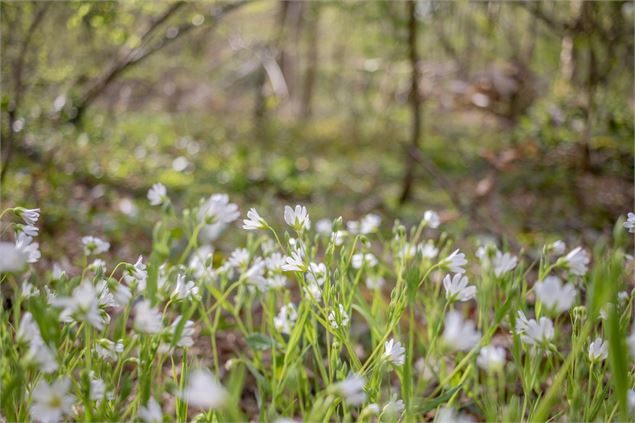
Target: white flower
{"x":276,"y":281}
{"x":375,"y":282}
{"x":351,"y":389}
{"x":28,"y":230}
{"x":94,"y":245}
{"x":630,"y":223}
{"x":503,"y":263}
{"x":82,"y":305}
{"x":538,"y":333}
{"x":157,"y":194}
{"x":431,"y":219}
{"x":28,"y":290}
{"x":147,"y":319}
{"x":598,"y":350}
{"x":316,"y":273}
{"x":98,"y":389}
{"x":631,"y":342}
{"x":204,"y":391}
{"x":28,"y":329}
{"x":458,"y":334}
{"x":631,"y":400}
{"x":109,"y":350}
{"x":394,"y":352}
{"x":450,"y":415}
{"x":121,"y":295}
{"x":521,"y":322}
{"x":361,"y":259}
{"x":324,"y":226}
{"x":151,"y":412}
{"x":239,"y":258}
{"x":30,"y":249}
{"x":491,"y":358}
{"x":136,"y":274}
{"x":576,"y":261}
{"x":393,"y":409}
{"x":184,"y":290}
{"x":554,"y":295}
{"x":285,"y":319}
{"x":41,"y":355}
{"x":275,"y":262}
{"x":12,"y":259}
{"x":298,"y":219}
{"x":218,"y":210}
{"x":457,"y":289}
{"x":455,"y":262}
{"x":254,"y":221}
{"x":337,"y":237}
{"x":51,"y":402}
{"x":369,"y":223}
{"x":558,"y":247}
{"x":185,"y":338}
{"x":30,"y":216}
{"x":295,"y":263}
{"x":339,"y":320}
{"x":312,"y":291}
{"x":428,"y":250}
{"x":57,"y":272}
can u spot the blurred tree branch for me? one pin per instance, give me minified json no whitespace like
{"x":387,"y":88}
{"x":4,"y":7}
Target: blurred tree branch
{"x":10,"y":136}
{"x":129,"y":58}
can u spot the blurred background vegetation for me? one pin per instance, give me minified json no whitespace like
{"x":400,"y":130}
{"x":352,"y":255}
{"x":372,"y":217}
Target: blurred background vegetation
{"x":509,"y":118}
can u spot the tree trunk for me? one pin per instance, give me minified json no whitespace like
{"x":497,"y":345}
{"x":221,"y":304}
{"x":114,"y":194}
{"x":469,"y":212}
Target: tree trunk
{"x":415,"y":102}
{"x":311,"y":63}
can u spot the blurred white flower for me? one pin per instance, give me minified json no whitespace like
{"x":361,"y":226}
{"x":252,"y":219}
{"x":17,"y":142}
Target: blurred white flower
{"x":187,"y":332}
{"x":428,"y":250}
{"x":337,"y":237}
{"x":98,"y":390}
{"x":94,"y":245}
{"x":369,"y":224}
{"x":521,"y":322}
{"x":557,"y":247}
{"x":216,"y":213}
{"x":554,"y":295}
{"x":375,"y":282}
{"x":254,"y":221}
{"x":598,"y":350}
{"x":108,"y":350}
{"x":28,"y":290}
{"x":630,"y":222}
{"x":151,"y":412}
{"x":538,"y":333}
{"x":297,"y":218}
{"x":83,"y":305}
{"x":454,"y":262}
{"x":30,"y":216}
{"x":239,"y":258}
{"x":361,"y":259}
{"x":312,"y":291}
{"x":12,"y":259}
{"x":503,"y":263}
{"x":576,"y":261}
{"x":431,"y":219}
{"x":28,"y":230}
{"x":457,"y":289}
{"x":136,"y":275}
{"x":275,"y":262}
{"x":631,"y":400}
{"x":631,"y":341}
{"x":121,"y":294}
{"x":458,"y":334}
{"x":51,"y":402}
{"x":450,"y":415}
{"x":157,"y":194}
{"x":276,"y":281}
{"x":393,"y":409}
{"x":285,"y":319}
{"x":351,"y":389}
{"x":57,"y":273}
{"x":204,"y":391}
{"x":394,"y":353}
{"x":491,"y":358}
{"x":324,"y":226}
{"x":147,"y":318}
{"x":30,"y":249}
{"x":339,"y":319}
{"x":184,"y":290}
{"x":41,"y":355}
{"x":295,"y":263}
{"x":28,"y":330}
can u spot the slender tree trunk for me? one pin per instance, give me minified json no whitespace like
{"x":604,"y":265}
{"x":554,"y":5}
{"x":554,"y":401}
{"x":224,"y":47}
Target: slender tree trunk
{"x":415,"y":103}
{"x":311,"y":63}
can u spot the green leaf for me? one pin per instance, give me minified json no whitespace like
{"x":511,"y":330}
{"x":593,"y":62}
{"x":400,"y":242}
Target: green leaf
{"x":435,"y":402}
{"x":261,"y":342}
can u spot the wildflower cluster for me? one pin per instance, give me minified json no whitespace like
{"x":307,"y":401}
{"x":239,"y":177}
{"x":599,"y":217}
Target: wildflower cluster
{"x":320,"y":322}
